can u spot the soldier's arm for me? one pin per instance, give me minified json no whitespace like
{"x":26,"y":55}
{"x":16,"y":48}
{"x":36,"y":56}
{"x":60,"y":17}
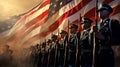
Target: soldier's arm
{"x":98,"y":34}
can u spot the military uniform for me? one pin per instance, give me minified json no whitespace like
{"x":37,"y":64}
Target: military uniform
{"x":53,"y":52}
{"x":72,"y":49}
{"x":72,"y":43}
{"x":61,"y":48}
{"x":49,"y":45}
{"x":44,"y":51}
{"x":105,"y":54}
{"x":86,"y":43}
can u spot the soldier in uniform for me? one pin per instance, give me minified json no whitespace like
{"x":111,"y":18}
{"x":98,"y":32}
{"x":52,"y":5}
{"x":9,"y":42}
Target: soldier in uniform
{"x":37,"y":55}
{"x":72,"y":42}
{"x":86,"y":43}
{"x":105,"y":34}
{"x":44,"y":51}
{"x":53,"y":52}
{"x":49,"y":46}
{"x":61,"y":47}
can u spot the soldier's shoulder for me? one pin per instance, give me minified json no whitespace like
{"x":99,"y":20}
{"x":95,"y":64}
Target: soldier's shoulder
{"x":115,"y":21}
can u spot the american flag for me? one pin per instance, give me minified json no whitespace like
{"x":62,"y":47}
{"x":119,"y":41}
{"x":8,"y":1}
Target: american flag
{"x":51,"y":15}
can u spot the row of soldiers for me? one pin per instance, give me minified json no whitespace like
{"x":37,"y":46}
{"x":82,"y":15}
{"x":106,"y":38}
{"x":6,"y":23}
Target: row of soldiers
{"x":88,"y":48}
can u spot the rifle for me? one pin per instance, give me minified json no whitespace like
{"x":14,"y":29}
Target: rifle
{"x":56,"y":52}
{"x":95,"y":48}
{"x":49,"y":52}
{"x":65,"y":53}
{"x":43,"y":54}
{"x":66,"y":50}
{"x":77,"y":45}
{"x":76,"y":58}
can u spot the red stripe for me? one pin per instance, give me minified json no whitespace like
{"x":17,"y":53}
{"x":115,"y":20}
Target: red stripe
{"x":19,"y":21}
{"x":91,"y":13}
{"x":41,"y":6}
{"x":32,"y":28}
{"x":88,"y":14}
{"x":35,"y":20}
{"x":20,"y":36}
{"x":17,"y":34}
{"x":29,"y":24}
{"x":78,"y":7}
{"x":32,"y":22}
{"x":44,"y":4}
{"x":116,"y":10}
{"x":33,"y":11}
{"x":55,"y":25}
{"x":38,"y":37}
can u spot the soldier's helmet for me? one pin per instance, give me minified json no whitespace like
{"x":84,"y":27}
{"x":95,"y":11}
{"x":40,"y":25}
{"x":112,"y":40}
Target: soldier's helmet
{"x":74,"y":26}
{"x":49,"y":41}
{"x":86,"y":20}
{"x":106,"y":7}
{"x":54,"y":36}
{"x":63,"y":32}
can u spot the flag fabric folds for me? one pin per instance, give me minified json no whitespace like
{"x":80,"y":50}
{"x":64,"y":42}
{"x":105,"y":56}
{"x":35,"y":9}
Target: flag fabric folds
{"x":51,"y":15}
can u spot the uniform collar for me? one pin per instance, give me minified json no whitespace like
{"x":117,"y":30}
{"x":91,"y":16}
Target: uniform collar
{"x":87,"y":29}
{"x":104,"y":19}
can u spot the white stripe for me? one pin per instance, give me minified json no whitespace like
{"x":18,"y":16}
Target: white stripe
{"x":72,"y":18}
{"x":27,"y":19}
{"x":32,"y":33}
{"x":39,"y":12}
{"x":14,"y":28}
{"x":76,"y":15}
{"x":61,"y":12}
{"x":115,"y":3}
{"x":116,"y":16}
{"x":57,"y":15}
{"x":36,"y":14}
{"x":68,"y":7}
